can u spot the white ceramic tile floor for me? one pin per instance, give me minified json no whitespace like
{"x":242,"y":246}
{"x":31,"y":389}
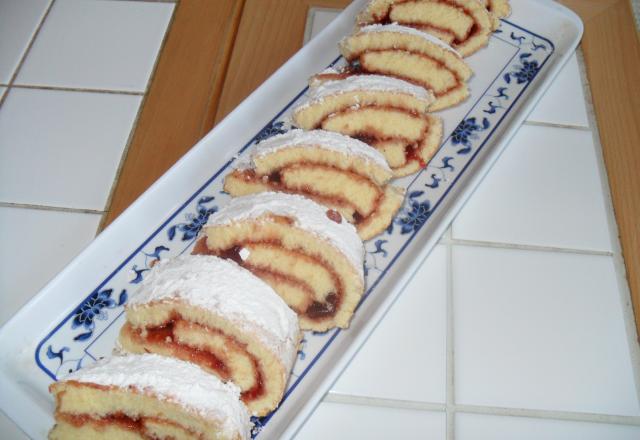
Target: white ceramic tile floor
{"x":564,"y":102}
{"x":19,"y":19}
{"x":544,"y":190}
{"x":63,"y":148}
{"x":483,"y":427}
{"x":418,"y":319}
{"x":71,"y":141}
{"x":10,"y":430}
{"x":540,"y":330}
{"x":319,"y":19}
{"x":97,"y":44}
{"x":338,"y":421}
{"x":36,"y":245}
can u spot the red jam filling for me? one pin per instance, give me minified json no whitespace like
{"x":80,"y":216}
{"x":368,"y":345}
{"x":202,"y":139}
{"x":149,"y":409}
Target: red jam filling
{"x":386,"y":19}
{"x":334,"y":216}
{"x":316,"y":310}
{"x":164,"y":335}
{"x":411,"y":154}
{"x":136,"y":425}
{"x":366,"y":138}
{"x":274,"y":179}
{"x":320,"y":310}
{"x":119,"y":419}
{"x":355,"y":67}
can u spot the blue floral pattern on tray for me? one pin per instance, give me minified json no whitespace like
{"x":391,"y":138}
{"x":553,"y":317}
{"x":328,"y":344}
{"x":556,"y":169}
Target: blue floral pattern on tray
{"x":413,"y":215}
{"x":77,"y":339}
{"x":94,"y":309}
{"x":466,"y":130}
{"x":270,"y":130}
{"x":194,"y":222}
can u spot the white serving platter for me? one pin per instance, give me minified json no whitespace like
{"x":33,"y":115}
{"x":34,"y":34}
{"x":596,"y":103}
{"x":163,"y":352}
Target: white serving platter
{"x":75,"y":319}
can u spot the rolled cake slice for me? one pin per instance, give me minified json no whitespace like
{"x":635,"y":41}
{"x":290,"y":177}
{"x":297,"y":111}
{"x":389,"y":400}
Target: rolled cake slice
{"x":335,"y":170}
{"x":411,"y":55}
{"x":214,"y":313}
{"x":309,"y":254}
{"x":387,"y":113}
{"x":464,"y":24}
{"x":499,"y":8}
{"x":147,"y":397}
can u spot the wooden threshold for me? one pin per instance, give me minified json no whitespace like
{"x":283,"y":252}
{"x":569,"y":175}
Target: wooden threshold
{"x":182,"y":97}
{"x":218,"y":52}
{"x":612,"y":57}
{"x":270,"y":33}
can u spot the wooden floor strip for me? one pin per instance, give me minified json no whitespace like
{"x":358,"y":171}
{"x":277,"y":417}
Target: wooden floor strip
{"x":270,"y":33}
{"x":183,"y":96}
{"x":612,"y":57}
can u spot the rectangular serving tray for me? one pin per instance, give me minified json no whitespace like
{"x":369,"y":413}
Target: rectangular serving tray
{"x":75,"y":319}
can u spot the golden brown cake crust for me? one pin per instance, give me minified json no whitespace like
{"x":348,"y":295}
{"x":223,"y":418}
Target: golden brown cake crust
{"x":342,"y":173}
{"x":312,"y":259}
{"x":407,"y":54}
{"x":211,"y":312}
{"x":499,"y":8}
{"x":377,"y":117}
{"x":146,"y":396}
{"x":465,"y":24}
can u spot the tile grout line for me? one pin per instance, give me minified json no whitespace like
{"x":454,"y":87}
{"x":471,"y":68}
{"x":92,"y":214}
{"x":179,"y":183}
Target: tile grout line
{"x":134,"y":125}
{"x":556,"y":125}
{"x":619,"y":263}
{"x":450,"y":366}
{"x":26,"y":52}
{"x":574,"y":416}
{"x":218,"y":80}
{"x":311,"y":17}
{"x":524,"y":247}
{"x":308,"y":27}
{"x":382,"y":402}
{"x":484,"y":410}
{"x":49,"y":208}
{"x":162,"y":43}
{"x":77,"y":89}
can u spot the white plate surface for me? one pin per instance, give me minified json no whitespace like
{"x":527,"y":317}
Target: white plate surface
{"x":76,"y":317}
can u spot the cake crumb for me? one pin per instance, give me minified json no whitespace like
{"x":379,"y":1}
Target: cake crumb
{"x":334,"y":215}
{"x":244,"y":253}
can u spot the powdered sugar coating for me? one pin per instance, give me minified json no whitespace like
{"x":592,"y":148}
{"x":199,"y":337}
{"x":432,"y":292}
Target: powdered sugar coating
{"x":367,"y":83}
{"x":183,"y":383}
{"x":395,"y":27}
{"x":327,"y":71}
{"x":228,"y":290}
{"x":306,"y":214}
{"x":322,"y":139}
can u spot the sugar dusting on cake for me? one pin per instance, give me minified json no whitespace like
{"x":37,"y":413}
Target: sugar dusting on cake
{"x":377,"y":83}
{"x":175,"y":381}
{"x":319,"y":78}
{"x":395,"y":27}
{"x":306,"y":214}
{"x":322,"y":139}
{"x":229,"y":290}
